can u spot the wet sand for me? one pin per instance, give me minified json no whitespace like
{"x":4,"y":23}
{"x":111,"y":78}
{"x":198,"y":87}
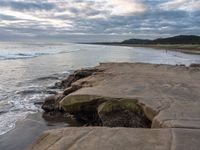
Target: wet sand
{"x":29,"y":129}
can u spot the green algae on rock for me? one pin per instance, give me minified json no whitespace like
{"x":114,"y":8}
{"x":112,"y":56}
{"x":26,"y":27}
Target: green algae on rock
{"x":106,"y":111}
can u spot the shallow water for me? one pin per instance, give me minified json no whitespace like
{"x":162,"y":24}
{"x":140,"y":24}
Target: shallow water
{"x":27,"y":70}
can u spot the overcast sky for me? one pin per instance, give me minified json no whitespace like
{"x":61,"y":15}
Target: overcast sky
{"x":96,"y":20}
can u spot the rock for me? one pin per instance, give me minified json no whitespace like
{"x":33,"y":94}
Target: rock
{"x":195,"y":65}
{"x":105,"y":111}
{"x":51,"y":103}
{"x":39,"y":103}
{"x":77,"y":75}
{"x":83,"y":107}
{"x":169,"y":95}
{"x":74,"y":104}
{"x":70,"y":89}
{"x":122,"y":113}
{"x":95,"y":138}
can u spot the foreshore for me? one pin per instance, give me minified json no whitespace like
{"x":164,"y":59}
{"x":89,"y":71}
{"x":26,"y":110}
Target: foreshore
{"x":190,"y":49}
{"x":143,"y":101}
{"x":27,"y":130}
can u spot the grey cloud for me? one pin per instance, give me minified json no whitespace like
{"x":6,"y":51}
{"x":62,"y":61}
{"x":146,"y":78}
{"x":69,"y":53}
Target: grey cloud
{"x":154,"y":22}
{"x":7,"y":17}
{"x":23,"y":5}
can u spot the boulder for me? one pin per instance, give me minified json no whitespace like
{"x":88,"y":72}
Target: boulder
{"x":195,"y":65}
{"x":51,"y":103}
{"x":83,"y":107}
{"x":123,"y":113}
{"x":105,"y":111}
{"x":77,"y":75}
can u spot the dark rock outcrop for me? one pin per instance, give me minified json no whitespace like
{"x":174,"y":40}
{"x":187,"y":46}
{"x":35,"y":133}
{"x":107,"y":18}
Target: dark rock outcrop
{"x":195,"y":65}
{"x":77,"y":75}
{"x":51,"y":103}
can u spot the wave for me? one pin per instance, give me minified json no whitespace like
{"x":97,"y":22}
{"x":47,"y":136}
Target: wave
{"x":7,"y":55}
{"x":25,"y":92}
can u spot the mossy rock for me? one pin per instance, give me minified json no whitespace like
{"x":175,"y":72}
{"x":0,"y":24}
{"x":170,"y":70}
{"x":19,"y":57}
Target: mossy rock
{"x":78,"y":103}
{"x":113,"y":112}
{"x":115,"y":104}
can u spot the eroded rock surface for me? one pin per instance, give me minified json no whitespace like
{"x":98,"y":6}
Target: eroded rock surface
{"x":117,"y":139}
{"x":122,"y":113}
{"x":167,"y":96}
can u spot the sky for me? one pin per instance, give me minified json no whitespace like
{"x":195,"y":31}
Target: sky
{"x":97,"y":20}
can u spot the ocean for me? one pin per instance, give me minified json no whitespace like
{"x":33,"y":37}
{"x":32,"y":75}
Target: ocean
{"x":29,"y":70}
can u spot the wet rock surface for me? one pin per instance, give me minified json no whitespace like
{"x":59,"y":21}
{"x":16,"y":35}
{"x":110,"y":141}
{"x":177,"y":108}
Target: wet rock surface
{"x":51,"y":103}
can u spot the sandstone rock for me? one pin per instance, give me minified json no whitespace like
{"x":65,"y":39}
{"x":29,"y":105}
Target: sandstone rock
{"x":105,"y":111}
{"x":83,"y":107}
{"x":195,"y":65}
{"x":117,"y":139}
{"x":79,"y":74}
{"x":51,"y":103}
{"x":169,"y":95}
{"x":70,"y":89}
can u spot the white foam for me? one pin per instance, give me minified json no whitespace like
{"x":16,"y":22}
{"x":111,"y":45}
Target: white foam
{"x":17,"y":109}
{"x":8,"y":120}
{"x":23,"y":52}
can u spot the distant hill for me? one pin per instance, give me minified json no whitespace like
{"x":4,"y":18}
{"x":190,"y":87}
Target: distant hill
{"x":136,"y":41}
{"x":181,"y":39}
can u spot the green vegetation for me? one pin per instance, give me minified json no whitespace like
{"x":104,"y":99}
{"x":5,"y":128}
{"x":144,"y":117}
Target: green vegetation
{"x":195,"y":49}
{"x":184,"y":43}
{"x":181,"y":39}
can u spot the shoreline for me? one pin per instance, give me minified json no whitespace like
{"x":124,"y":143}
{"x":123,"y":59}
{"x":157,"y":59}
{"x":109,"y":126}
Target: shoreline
{"x":106,"y":96}
{"x":189,"y":49}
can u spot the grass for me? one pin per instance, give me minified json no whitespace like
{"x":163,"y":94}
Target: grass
{"x":195,"y":49}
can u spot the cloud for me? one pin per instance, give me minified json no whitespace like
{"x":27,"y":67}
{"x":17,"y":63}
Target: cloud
{"x":27,"y":5}
{"x":123,"y":7}
{"x":189,"y":5}
{"x":114,"y":19}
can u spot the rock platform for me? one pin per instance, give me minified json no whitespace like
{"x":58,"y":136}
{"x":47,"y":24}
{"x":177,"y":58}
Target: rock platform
{"x":164,"y":98}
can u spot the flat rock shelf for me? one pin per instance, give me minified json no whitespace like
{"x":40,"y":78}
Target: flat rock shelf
{"x":152,"y":107}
